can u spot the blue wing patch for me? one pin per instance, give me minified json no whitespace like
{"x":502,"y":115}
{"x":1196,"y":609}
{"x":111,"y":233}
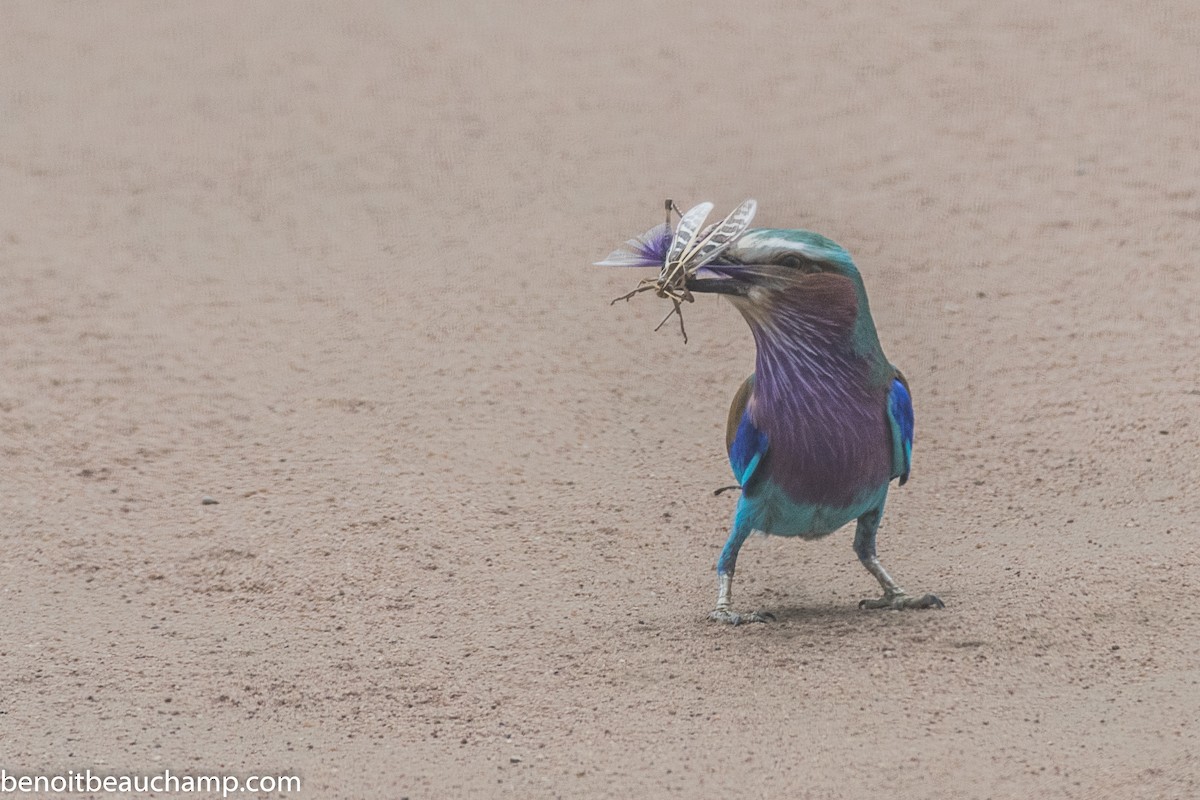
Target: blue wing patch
{"x":746,"y":452}
{"x":900,"y":413}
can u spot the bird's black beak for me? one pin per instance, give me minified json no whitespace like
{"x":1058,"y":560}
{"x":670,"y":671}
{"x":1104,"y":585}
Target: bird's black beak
{"x":714,"y":285}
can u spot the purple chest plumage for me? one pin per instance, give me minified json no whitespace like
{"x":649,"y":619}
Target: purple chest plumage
{"x":825,"y":419}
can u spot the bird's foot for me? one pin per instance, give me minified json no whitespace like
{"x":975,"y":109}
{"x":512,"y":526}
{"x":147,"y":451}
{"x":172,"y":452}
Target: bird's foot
{"x":900,"y":599}
{"x":728,"y":615}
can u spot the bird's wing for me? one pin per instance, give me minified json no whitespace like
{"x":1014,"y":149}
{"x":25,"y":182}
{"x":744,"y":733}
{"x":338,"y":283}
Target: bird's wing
{"x":900,"y":415}
{"x":745,"y":442}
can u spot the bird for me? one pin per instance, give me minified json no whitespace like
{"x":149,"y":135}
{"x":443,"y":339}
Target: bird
{"x":823,"y":426}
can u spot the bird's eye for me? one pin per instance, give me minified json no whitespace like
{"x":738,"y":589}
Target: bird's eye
{"x":794,"y":261}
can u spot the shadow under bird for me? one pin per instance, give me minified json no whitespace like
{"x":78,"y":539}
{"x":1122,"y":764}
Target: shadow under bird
{"x":822,"y":427}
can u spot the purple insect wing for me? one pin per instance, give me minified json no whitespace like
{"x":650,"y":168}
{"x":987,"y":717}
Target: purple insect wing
{"x":647,"y":250}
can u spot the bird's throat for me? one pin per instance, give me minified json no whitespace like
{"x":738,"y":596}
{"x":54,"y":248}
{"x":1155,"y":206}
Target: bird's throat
{"x":825,"y":419}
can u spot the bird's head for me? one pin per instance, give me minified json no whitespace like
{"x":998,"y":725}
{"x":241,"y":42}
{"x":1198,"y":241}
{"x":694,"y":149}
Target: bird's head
{"x":790,"y":283}
{"x":766,"y":262}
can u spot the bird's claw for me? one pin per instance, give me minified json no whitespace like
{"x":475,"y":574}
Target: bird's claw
{"x":901,"y":599}
{"x":729,"y":616}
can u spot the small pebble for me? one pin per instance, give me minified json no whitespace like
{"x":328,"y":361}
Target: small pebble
{"x":207,"y":501}
{"x":515,"y":760}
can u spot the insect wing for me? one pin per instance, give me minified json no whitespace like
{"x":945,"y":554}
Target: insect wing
{"x":685,"y":232}
{"x":722,"y":236}
{"x":648,"y":250}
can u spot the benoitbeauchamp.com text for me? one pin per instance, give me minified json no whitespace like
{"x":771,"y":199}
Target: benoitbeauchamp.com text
{"x":165,"y":782}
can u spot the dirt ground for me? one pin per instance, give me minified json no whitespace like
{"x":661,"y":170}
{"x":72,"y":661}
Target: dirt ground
{"x":329,"y":265}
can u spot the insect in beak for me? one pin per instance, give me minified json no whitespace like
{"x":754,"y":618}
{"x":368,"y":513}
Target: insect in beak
{"x":692,"y":247}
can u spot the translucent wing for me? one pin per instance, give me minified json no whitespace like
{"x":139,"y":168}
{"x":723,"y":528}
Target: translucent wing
{"x":685,"y":232}
{"x":648,"y":250}
{"x":720,"y":236}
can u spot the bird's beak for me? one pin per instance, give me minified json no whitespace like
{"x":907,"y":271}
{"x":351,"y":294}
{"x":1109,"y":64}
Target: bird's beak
{"x":716,"y":285}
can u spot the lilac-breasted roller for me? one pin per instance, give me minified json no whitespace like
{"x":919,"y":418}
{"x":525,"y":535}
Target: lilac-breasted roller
{"x":822,"y":427}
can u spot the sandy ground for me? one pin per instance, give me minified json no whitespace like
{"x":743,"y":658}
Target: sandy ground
{"x":329,"y":265}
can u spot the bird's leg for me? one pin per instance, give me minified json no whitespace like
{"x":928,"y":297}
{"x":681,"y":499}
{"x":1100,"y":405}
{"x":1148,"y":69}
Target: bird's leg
{"x":725,"y":567}
{"x":893,"y":595}
{"x":724,"y":611}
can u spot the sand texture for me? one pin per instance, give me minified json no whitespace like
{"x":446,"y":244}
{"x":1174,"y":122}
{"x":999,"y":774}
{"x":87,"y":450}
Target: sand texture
{"x":329,"y":265}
